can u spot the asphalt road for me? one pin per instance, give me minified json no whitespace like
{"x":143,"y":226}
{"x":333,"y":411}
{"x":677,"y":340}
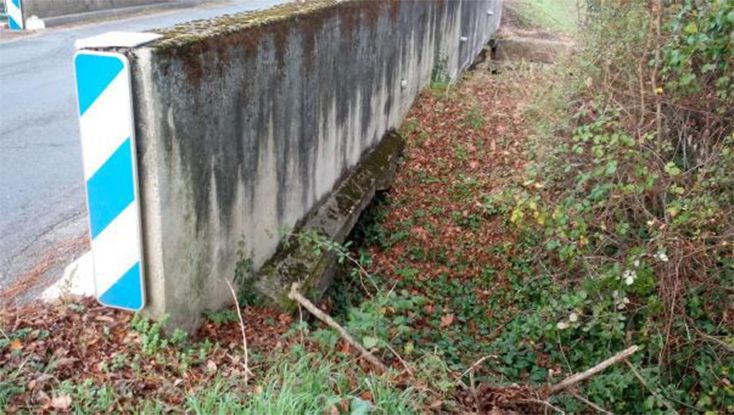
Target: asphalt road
{"x":42,"y":207}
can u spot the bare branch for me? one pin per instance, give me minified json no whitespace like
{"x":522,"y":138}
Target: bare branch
{"x":591,"y":404}
{"x":295,"y":295}
{"x":642,"y":381}
{"x":242,"y":327}
{"x":578,"y":377}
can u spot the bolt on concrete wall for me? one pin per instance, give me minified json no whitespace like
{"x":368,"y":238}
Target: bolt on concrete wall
{"x":245,"y":123}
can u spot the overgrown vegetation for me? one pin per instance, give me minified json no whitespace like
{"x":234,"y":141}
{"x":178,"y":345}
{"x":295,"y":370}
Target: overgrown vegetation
{"x":630,"y":205}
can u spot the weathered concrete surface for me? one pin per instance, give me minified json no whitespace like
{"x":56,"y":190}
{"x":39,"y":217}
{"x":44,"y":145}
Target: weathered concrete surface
{"x":43,"y":224}
{"x":531,"y":45}
{"x":514,"y":48}
{"x":305,"y":260}
{"x":246,"y":123}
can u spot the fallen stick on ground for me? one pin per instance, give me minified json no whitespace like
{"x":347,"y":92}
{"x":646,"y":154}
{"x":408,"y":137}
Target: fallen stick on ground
{"x":578,"y":377}
{"x":655,"y":393}
{"x":544,"y":403}
{"x":295,"y":295}
{"x":591,"y":404}
{"x":242,"y":327}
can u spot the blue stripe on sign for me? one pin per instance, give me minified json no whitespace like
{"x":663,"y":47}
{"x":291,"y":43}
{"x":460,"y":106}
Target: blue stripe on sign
{"x":126,"y":292}
{"x":17,"y":3}
{"x":94,"y":73}
{"x":12,"y":24}
{"x":110,"y":190}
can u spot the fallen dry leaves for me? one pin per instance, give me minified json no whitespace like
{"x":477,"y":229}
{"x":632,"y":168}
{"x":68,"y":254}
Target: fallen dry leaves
{"x":81,"y":341}
{"x":461,"y":146}
{"x":450,"y":164}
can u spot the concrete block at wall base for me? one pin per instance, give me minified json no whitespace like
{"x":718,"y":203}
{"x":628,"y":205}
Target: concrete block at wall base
{"x":303,"y":258}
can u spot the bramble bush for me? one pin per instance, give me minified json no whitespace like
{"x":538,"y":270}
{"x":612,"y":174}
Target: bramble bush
{"x":628,"y":208}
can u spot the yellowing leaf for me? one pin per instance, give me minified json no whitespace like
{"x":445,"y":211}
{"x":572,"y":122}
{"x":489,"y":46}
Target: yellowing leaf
{"x":691,"y":28}
{"x":516,"y":216}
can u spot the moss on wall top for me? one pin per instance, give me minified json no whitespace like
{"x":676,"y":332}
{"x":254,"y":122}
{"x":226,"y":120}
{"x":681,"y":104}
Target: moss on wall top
{"x":186,"y":34}
{"x":205,"y":46}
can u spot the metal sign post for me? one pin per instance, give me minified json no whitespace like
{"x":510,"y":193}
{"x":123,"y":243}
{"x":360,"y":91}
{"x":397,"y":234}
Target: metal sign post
{"x":107,"y":127}
{"x":110,"y":173}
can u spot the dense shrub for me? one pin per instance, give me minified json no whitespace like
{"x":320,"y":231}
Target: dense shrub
{"x":631,"y":205}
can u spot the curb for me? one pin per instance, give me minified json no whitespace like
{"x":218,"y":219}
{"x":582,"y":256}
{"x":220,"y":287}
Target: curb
{"x":88,"y":17}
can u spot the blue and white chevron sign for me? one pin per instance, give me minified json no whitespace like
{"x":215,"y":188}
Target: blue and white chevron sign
{"x":110,"y":171}
{"x":14,"y":9}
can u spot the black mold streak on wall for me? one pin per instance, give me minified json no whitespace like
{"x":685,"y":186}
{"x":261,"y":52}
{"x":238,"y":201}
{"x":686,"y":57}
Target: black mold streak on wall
{"x":255,"y":118}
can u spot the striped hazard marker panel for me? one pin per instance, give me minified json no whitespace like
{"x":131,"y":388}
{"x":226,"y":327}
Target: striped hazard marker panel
{"x":110,"y":172}
{"x":14,"y":9}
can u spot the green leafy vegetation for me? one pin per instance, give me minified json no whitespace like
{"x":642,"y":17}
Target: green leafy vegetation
{"x":631,"y":207}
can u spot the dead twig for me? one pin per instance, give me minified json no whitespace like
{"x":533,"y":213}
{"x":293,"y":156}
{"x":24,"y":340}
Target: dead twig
{"x":644,"y":383}
{"x":591,"y":404}
{"x":658,"y":8}
{"x":295,"y":295}
{"x":400,"y":358}
{"x":578,"y":377}
{"x":470,"y":371}
{"x":544,"y":403}
{"x":242,"y":327}
{"x":715,"y":340}
{"x":710,"y":338}
{"x":477,"y":363}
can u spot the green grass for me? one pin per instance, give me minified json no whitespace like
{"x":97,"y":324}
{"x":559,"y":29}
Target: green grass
{"x":553,"y":15}
{"x":308,"y":384}
{"x":297,"y":383}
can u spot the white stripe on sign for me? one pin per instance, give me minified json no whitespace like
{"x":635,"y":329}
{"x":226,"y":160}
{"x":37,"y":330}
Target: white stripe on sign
{"x":97,"y":124}
{"x":14,"y":9}
{"x":111,"y":258}
{"x":110,"y":173}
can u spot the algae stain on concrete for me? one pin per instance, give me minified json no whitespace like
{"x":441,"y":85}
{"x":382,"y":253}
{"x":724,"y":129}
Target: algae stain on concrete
{"x":264,"y":114}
